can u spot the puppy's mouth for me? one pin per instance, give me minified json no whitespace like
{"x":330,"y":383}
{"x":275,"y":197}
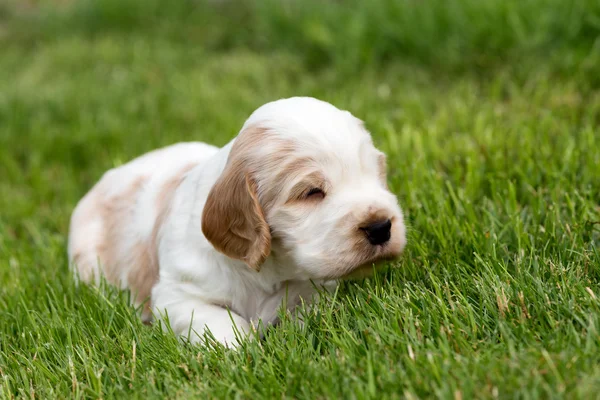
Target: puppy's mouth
{"x":364,"y":271}
{"x":368,"y":268}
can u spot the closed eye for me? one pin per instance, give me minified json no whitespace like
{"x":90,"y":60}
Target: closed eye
{"x":315,"y":193}
{"x":310,"y":189}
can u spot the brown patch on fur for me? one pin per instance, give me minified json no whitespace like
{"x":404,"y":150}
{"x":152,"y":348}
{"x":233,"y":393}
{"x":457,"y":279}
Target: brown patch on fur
{"x":141,"y":279}
{"x":143,"y":274}
{"x":233,"y":219}
{"x":142,"y":259}
{"x":114,"y":211}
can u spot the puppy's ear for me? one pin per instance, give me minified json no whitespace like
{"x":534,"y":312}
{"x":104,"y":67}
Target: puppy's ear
{"x":233,"y":220}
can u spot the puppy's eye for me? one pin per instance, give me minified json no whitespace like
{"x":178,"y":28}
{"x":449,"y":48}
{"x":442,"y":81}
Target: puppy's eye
{"x":315,"y":193}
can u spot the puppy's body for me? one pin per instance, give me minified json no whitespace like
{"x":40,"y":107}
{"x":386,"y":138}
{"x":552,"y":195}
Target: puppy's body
{"x":218,"y":238}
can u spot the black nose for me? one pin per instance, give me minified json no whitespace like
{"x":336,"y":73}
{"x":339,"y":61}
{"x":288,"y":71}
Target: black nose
{"x":378,"y":232}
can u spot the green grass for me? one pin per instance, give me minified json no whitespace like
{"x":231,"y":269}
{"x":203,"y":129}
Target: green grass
{"x":489,"y":112}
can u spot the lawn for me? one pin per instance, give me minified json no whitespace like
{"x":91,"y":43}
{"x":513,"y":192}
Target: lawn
{"x":489,"y":112}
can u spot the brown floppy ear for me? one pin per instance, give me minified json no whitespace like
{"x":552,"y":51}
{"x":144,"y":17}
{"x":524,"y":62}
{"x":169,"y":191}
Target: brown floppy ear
{"x":233,"y":220}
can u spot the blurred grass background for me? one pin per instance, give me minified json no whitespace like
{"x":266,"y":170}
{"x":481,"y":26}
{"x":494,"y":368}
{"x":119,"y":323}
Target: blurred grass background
{"x":489,"y":112}
{"x":442,"y":35}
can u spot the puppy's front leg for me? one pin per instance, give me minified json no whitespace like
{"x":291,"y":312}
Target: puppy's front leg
{"x":190,"y":315}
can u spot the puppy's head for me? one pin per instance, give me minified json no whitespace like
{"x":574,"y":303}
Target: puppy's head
{"x":304,"y":182}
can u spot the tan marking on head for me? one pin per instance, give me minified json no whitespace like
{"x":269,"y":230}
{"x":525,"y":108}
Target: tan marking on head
{"x":233,"y":219}
{"x":287,"y":168}
{"x":311,"y":180}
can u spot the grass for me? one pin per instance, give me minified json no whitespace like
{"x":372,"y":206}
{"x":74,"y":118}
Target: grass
{"x":490,"y":121}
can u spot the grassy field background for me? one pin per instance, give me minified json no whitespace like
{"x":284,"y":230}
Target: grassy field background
{"x":489,"y":112}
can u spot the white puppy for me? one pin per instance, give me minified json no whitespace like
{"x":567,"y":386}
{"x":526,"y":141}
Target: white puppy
{"x":221,"y":238}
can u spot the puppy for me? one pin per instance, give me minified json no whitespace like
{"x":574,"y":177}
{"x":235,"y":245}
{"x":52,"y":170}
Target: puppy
{"x":219,"y":239}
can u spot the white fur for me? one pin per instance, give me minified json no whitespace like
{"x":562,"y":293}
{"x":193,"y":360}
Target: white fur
{"x":220,"y":292}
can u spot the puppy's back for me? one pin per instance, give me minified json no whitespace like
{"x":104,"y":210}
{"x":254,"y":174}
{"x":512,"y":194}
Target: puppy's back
{"x":113,"y":227}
